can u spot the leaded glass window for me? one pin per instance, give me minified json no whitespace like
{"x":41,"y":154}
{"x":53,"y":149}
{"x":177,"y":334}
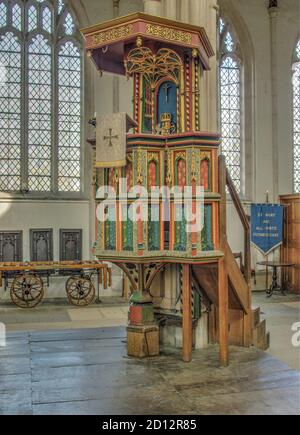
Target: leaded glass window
{"x":40,"y":97}
{"x":296,"y":117}
{"x":69,"y":82}
{"x":231,"y":101}
{"x":39,"y":114}
{"x":10,"y":115}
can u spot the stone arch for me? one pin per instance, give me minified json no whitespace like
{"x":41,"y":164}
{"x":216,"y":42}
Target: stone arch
{"x":82,"y":20}
{"x":230,"y":13}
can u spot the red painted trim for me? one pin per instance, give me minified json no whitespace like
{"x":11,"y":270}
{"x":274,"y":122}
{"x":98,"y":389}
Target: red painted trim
{"x":211,"y":144}
{"x":175,"y":136}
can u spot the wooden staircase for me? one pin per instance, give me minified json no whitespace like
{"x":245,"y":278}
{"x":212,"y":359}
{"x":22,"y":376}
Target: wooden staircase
{"x":205,"y":280}
{"x":244,"y":323}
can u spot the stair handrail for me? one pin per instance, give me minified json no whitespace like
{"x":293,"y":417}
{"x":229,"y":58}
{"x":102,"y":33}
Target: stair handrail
{"x":237,"y":201}
{"x":226,"y":180}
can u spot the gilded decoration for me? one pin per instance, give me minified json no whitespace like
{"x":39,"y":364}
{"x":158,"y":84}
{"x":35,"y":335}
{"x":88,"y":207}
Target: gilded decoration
{"x":166,"y":63}
{"x":169,"y":34}
{"x":139,"y":167}
{"x":139,"y":41}
{"x":166,"y":125}
{"x":205,"y":155}
{"x":181,"y":155}
{"x":196,"y":94}
{"x":112,"y":34}
{"x":194,"y":174}
{"x":153,"y":157}
{"x":169,"y":178}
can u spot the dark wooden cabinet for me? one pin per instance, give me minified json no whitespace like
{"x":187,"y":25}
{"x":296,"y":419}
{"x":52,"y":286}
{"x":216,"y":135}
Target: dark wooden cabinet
{"x":11,"y":246}
{"x":290,"y":251}
{"x":41,"y":245}
{"x":70,"y":245}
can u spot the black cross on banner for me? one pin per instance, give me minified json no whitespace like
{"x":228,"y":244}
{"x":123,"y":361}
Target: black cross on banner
{"x":110,"y":137}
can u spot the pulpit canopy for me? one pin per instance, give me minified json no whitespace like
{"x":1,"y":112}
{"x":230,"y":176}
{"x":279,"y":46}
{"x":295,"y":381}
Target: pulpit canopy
{"x":108,"y":43}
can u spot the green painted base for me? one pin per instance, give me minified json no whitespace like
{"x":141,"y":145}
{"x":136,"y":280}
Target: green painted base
{"x":141,"y":298}
{"x":141,"y":314}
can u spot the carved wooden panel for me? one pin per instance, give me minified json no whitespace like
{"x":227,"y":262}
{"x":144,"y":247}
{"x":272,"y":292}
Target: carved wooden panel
{"x":70,"y":245}
{"x":11,"y":246}
{"x":41,"y":245}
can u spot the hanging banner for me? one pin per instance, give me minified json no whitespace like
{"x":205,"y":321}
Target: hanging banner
{"x":267,"y":226}
{"x":111,"y":139}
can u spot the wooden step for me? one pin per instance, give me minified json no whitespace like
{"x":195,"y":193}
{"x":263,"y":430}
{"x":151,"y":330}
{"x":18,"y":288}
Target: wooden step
{"x":255,"y":317}
{"x":207,"y":278}
{"x":238,"y":285}
{"x":264,"y":344}
{"x":261,"y":339}
{"x":259,"y":332}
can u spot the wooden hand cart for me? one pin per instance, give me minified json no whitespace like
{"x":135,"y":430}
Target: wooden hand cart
{"x":27,"y":280}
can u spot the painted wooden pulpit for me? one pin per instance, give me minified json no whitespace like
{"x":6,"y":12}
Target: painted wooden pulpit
{"x":165,"y":150}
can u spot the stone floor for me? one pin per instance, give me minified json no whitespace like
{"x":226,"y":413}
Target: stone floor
{"x":86,"y":372}
{"x":58,"y":314}
{"x":61,"y":359}
{"x":281,"y":312}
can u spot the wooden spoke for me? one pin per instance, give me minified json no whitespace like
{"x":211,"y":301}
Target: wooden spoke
{"x":27,"y":291}
{"x":80,"y":291}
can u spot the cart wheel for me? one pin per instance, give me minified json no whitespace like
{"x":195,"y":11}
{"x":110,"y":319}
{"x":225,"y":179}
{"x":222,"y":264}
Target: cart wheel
{"x":27,"y":291}
{"x":80,"y":291}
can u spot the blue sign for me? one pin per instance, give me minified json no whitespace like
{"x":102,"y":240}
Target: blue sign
{"x":267,"y":226}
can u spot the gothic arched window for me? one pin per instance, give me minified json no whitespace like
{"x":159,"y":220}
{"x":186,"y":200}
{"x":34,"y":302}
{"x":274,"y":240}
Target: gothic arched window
{"x":296,"y":116}
{"x":40,"y":97}
{"x":230,"y":78}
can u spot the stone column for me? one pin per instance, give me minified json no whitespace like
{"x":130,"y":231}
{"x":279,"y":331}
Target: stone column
{"x":153,"y":7}
{"x":170,"y":9}
{"x":203,"y":13}
{"x":116,"y":82}
{"x":213,"y":13}
{"x":273,"y":13}
{"x":185,"y":11}
{"x":196,"y":15}
{"x":129,"y":7}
